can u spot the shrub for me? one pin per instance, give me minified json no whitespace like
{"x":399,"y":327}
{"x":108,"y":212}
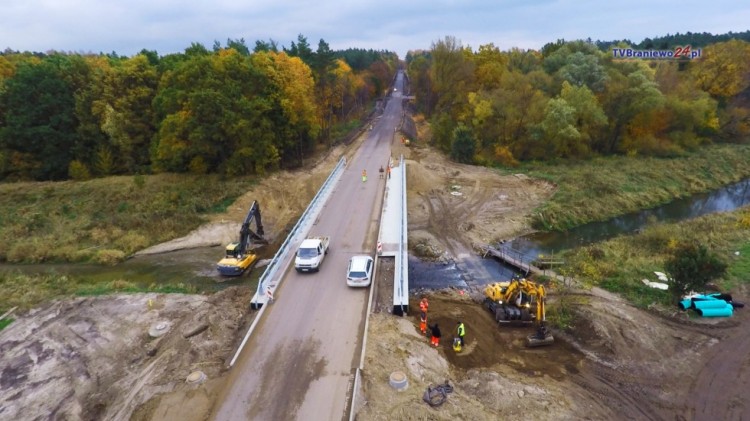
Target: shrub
{"x":109,"y":256}
{"x":131,"y":242}
{"x":463,"y":146}
{"x":77,"y":170}
{"x":505,"y":157}
{"x":691,"y":267}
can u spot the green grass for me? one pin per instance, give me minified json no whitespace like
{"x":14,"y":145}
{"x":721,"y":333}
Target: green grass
{"x":107,"y":219}
{"x":602,"y":188}
{"x":620,"y":264}
{"x":28,"y":291}
{"x":5,"y":322}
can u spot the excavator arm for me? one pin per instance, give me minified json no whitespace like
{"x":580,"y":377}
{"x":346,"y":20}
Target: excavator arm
{"x":542,"y":336}
{"x":248,"y":236}
{"x":239,"y":257}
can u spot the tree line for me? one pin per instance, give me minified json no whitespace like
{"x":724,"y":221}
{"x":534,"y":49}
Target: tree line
{"x":572,"y":100}
{"x":667,"y":42}
{"x":229,"y":110}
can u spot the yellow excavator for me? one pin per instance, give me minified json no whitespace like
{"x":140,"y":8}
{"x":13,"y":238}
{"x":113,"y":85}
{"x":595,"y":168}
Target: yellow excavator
{"x":520,"y":301}
{"x":239,"y":256}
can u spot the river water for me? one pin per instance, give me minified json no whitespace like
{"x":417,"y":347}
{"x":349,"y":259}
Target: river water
{"x":725,"y":199}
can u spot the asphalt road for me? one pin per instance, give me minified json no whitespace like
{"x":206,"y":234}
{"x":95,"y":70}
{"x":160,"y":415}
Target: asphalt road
{"x":299,"y":363}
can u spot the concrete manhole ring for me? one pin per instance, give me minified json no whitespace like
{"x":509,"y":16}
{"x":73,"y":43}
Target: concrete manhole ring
{"x":196,"y":377}
{"x":158,"y":329}
{"x":398,"y":380}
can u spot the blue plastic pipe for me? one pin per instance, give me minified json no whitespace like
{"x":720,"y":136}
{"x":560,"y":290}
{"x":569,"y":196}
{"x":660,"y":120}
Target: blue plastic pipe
{"x":716,"y":312}
{"x":686,"y":304}
{"x":704,"y":305}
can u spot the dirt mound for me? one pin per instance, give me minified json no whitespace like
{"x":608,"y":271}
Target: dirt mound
{"x":455,"y":206}
{"x":282,"y":197}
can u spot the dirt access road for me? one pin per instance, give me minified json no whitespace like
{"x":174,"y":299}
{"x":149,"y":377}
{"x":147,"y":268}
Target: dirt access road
{"x":92,"y":358}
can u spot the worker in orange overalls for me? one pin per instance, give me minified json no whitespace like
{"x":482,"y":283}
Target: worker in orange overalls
{"x":364,"y":175}
{"x":435,"y":339}
{"x":423,"y":305}
{"x":389,"y":171}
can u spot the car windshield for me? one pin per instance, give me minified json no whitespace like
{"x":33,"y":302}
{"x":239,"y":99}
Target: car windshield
{"x":307,"y":253}
{"x":357,"y":275}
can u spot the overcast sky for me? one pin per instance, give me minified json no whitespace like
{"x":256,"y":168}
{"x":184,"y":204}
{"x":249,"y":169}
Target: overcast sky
{"x":169,"y":26}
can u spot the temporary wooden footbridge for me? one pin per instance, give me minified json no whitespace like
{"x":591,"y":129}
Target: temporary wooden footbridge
{"x":516,"y":259}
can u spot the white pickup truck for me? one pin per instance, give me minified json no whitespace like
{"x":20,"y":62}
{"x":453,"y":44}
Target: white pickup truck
{"x":311,"y":253}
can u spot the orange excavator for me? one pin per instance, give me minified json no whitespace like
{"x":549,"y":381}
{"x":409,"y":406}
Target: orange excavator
{"x":520,"y":301}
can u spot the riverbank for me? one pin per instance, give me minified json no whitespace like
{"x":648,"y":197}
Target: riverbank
{"x":620,"y":264}
{"x":603,"y":188}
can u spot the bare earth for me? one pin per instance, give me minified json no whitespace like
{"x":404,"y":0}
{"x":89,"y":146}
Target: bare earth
{"x":92,"y":358}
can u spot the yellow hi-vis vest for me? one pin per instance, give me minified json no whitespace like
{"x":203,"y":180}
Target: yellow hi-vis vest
{"x":461,"y":330}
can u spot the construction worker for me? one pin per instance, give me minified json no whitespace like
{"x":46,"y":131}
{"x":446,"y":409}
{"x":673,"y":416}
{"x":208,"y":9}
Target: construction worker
{"x":457,"y":344}
{"x":423,"y":305}
{"x":423,"y":322}
{"x":461,"y":332}
{"x":389,"y":171}
{"x":381,"y":170}
{"x":364,"y":175}
{"x":435,"y":338}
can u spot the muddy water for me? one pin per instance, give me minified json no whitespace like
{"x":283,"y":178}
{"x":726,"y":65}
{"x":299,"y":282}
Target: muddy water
{"x":433,"y":275}
{"x":193,"y":267}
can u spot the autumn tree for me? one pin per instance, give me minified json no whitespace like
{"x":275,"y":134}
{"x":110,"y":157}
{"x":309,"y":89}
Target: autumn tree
{"x":292,"y":87}
{"x":38,"y":125}
{"x":451,"y":75}
{"x":126,"y":112}
{"x":724,"y":71}
{"x":214,"y":118}
{"x":558,"y":133}
{"x":588,"y":116}
{"x":490,"y":64}
{"x":626,"y":98}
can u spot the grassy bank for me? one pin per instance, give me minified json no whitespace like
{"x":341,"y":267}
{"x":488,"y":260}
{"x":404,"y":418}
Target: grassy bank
{"x":27,"y":291}
{"x":105,"y":220}
{"x":602,"y":188}
{"x":620,"y":264}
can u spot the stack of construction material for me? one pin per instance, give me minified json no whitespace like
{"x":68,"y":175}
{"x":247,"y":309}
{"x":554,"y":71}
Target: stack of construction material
{"x":710,"y":305}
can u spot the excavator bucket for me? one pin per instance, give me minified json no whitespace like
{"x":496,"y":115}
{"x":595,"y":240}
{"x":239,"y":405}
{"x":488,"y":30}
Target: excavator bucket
{"x":542,"y":337}
{"x":532,"y":341}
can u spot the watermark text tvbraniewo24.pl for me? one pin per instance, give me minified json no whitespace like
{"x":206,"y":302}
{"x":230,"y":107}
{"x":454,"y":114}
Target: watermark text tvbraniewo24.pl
{"x":678,"y":53}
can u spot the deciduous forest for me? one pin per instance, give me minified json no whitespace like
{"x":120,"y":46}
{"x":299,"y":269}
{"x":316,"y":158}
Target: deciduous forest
{"x":572,"y":100}
{"x":228,"y":110}
{"x":235,"y":111}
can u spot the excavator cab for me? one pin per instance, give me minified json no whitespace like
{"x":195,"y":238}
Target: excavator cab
{"x":233,"y":250}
